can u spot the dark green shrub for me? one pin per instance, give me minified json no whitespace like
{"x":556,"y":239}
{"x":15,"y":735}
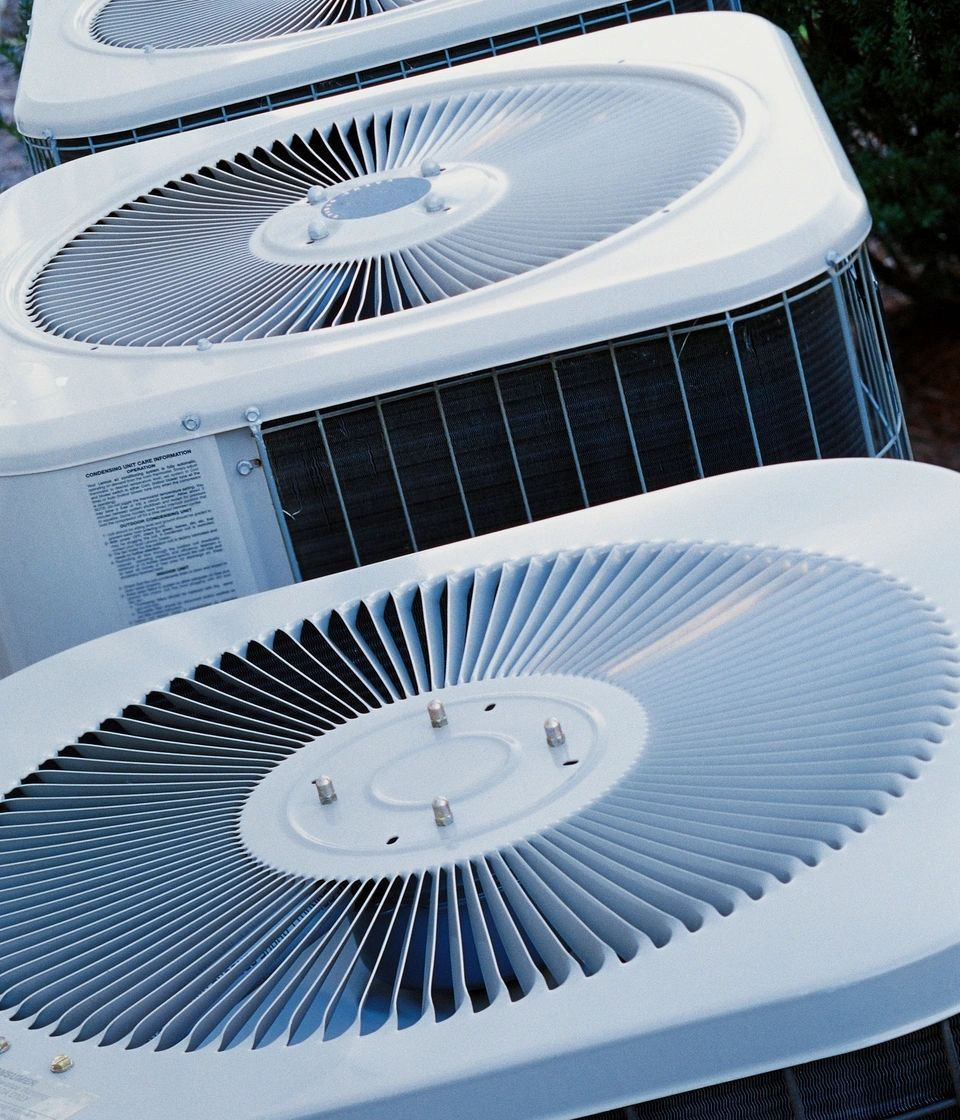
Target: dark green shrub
{"x":888,"y":72}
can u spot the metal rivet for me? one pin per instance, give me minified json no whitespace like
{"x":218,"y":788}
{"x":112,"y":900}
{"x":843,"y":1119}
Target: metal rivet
{"x":61,"y":1063}
{"x":434,"y":204}
{"x":437,"y":713}
{"x":148,"y":48}
{"x":317,"y":231}
{"x":204,"y":344}
{"x":442,"y":813}
{"x":251,"y":414}
{"x":244,"y":467}
{"x":4,"y":1045}
{"x":191,"y":422}
{"x":555,"y":735}
{"x":316,"y":195}
{"x":429,"y":168}
{"x":325,"y":790}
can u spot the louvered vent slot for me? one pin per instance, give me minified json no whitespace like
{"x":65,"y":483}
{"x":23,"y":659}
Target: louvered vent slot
{"x":767,"y":384}
{"x":231,"y":252}
{"x":790,"y":698}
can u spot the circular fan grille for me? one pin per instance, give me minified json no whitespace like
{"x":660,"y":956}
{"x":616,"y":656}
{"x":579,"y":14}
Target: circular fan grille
{"x":179,"y":24}
{"x":790,"y":699}
{"x":578,"y":160}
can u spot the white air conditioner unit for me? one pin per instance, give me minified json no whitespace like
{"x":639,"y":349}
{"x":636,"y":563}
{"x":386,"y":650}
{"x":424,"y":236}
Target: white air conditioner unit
{"x":101,"y":74}
{"x":590,"y":812}
{"x":293,"y":345}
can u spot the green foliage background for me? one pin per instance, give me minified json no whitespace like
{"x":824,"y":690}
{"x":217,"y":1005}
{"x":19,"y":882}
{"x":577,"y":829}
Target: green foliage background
{"x":888,"y":72}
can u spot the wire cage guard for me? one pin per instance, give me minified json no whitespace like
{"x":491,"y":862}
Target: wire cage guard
{"x":914,"y":1076}
{"x":47,"y":151}
{"x":804,"y":375}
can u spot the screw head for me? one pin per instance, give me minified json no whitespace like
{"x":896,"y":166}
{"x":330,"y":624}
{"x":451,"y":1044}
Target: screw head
{"x":244,"y":467}
{"x":251,"y":414}
{"x":317,"y":231}
{"x":316,"y":195}
{"x":325,"y":790}
{"x":554,"y":732}
{"x":442,"y":813}
{"x":437,"y":714}
{"x":204,"y":344}
{"x":429,"y":168}
{"x":191,"y":422}
{"x":148,"y":48}
{"x":4,"y":1045}
{"x":61,"y":1063}
{"x":434,"y":204}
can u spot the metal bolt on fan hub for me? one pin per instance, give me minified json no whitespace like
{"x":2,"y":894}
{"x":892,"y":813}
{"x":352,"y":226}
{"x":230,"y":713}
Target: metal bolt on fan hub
{"x":442,"y":813}
{"x":437,"y":713}
{"x":555,"y":735}
{"x":325,"y":790}
{"x":489,"y":762}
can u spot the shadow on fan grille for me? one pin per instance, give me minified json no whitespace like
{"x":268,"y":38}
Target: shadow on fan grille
{"x":48,"y":151}
{"x":134,"y":914}
{"x":806,"y":375}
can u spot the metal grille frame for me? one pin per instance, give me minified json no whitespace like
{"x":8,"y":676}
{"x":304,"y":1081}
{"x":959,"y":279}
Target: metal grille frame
{"x":340,"y":519}
{"x":46,"y":151}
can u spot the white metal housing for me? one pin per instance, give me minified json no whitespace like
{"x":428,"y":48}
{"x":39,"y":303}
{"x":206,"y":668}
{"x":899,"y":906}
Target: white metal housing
{"x":711,"y":302}
{"x":739,"y":859}
{"x":102,"y":74}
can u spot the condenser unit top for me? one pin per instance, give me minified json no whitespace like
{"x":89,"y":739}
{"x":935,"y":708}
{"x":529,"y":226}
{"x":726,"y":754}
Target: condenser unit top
{"x":556,"y":197}
{"x":591,"y":811}
{"x":104,"y":67}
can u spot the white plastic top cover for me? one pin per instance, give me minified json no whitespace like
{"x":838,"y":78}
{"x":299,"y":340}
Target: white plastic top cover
{"x":558,"y":196}
{"x":102,"y":66}
{"x":734,"y":854}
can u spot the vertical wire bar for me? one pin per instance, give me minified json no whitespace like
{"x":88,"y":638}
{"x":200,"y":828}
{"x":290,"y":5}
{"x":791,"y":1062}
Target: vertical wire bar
{"x":513,"y":450}
{"x":396,"y":473}
{"x":873,"y":295}
{"x":453,"y":460}
{"x":337,"y":487}
{"x":626,"y":416}
{"x":870,"y":356}
{"x":953,"y":1058}
{"x":278,"y":509}
{"x":803,"y":376}
{"x":793,"y":1092}
{"x":570,"y":440}
{"x":835,"y":270}
{"x":683,"y":397}
{"x":743,"y":387}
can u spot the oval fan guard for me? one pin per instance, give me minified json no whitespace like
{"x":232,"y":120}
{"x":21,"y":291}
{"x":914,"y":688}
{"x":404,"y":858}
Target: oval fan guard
{"x":179,"y":25}
{"x":176,"y":265}
{"x":791,"y":699}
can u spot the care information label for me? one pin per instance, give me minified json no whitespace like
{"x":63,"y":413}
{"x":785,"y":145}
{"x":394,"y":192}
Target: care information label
{"x":24,"y":1096}
{"x":160,"y":529}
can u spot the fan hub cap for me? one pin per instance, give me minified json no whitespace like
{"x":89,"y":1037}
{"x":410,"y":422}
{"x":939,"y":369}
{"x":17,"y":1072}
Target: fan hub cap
{"x":383,"y":212}
{"x":491,"y":760}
